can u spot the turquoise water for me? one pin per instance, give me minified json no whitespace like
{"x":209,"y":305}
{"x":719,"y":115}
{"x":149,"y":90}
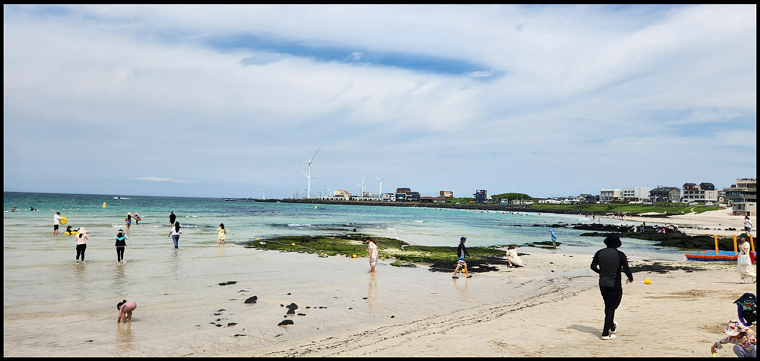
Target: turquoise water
{"x":248,"y":220}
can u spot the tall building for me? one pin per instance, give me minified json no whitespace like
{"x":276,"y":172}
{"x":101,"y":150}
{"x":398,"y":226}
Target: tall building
{"x":742,"y":197}
{"x":704,"y":192}
{"x":480,"y":196}
{"x":636,"y":194}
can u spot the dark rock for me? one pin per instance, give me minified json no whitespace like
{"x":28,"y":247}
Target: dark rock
{"x":218,"y":325}
{"x":231,"y":324}
{"x":239,"y":334}
{"x":285,"y":322}
{"x":231,"y":282}
{"x":223,"y":284}
{"x":302,"y":314}
{"x":292,"y":306}
{"x":217,"y":313}
{"x":484,"y":264}
{"x":251,"y":299}
{"x":220,"y":310}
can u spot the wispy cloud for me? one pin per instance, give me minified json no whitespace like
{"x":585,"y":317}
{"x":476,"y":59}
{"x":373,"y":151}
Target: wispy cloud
{"x":526,"y":98}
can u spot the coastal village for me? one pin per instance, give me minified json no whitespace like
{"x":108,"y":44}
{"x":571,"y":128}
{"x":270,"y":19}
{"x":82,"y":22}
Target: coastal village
{"x":741,"y":196}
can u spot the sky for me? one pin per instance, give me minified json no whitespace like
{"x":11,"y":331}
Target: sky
{"x":232,"y":100}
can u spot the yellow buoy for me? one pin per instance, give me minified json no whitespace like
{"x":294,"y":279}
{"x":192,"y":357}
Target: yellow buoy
{"x":257,"y":239}
{"x":63,"y":220}
{"x":292,"y":244}
{"x":104,"y":204}
{"x":354,"y":256}
{"x":647,"y":281}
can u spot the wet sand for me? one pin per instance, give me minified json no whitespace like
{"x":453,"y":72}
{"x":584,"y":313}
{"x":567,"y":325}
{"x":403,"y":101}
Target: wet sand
{"x":550,"y":307}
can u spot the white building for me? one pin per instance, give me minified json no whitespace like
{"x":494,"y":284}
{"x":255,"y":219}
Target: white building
{"x":636,"y":194}
{"x":610,"y":195}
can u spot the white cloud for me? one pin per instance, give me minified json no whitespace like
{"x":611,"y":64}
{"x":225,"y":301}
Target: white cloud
{"x":580,"y":90}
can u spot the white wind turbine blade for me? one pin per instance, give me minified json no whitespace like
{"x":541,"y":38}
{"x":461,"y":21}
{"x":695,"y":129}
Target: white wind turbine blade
{"x":315,"y":154}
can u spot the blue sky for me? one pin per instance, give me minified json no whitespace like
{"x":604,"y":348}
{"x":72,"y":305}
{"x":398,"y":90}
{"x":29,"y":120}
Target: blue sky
{"x":224,"y":101}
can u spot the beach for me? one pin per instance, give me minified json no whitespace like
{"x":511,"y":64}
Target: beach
{"x":706,"y":223}
{"x":192,"y":301}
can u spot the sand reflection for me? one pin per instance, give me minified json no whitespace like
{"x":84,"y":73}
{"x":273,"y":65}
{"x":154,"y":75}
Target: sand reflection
{"x":119,"y":281}
{"x":124,"y":337}
{"x":372,"y":293}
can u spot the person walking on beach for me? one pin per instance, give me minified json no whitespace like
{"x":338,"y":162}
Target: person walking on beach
{"x":125,"y":310}
{"x":461,"y":252}
{"x":554,"y":238}
{"x":174,"y":234}
{"x":121,"y":243}
{"x":743,"y":262}
{"x":747,"y":224}
{"x":128,"y":219}
{"x":372,"y":249}
{"x":56,"y":222}
{"x":512,"y":257}
{"x":221,"y":231}
{"x":609,"y":263}
{"x":82,"y":238}
{"x":172,"y":218}
{"x":137,"y":218}
{"x":745,"y":343}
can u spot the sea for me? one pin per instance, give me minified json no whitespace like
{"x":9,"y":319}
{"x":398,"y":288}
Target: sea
{"x":191,"y":300}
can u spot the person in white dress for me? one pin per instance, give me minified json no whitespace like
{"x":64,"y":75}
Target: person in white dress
{"x":744,"y":263}
{"x":512,"y":257}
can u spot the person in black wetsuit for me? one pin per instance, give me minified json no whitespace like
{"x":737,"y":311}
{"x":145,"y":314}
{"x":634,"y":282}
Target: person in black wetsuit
{"x":610,"y":263}
{"x":172,"y":217}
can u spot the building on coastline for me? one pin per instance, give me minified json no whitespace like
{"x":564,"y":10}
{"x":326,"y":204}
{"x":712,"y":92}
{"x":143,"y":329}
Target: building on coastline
{"x":702,"y":192}
{"x":365,"y":196}
{"x":665,"y":194}
{"x":446,"y":194}
{"x":341,"y":194}
{"x":742,"y":197}
{"x":635,"y":194}
{"x":388,"y":197}
{"x":481,"y":196}
{"x":406,"y":195}
{"x":587,"y":198}
{"x":610,"y":195}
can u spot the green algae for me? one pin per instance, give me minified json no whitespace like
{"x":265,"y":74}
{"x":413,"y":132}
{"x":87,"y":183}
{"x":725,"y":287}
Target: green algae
{"x":349,"y":245}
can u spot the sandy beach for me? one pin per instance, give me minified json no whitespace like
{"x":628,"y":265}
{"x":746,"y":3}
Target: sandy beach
{"x":705,"y":223}
{"x":552,"y":307}
{"x":680,"y":314}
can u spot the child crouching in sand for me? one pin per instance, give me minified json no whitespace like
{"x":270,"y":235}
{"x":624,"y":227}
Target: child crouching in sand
{"x":125,"y":310}
{"x":745,"y":343}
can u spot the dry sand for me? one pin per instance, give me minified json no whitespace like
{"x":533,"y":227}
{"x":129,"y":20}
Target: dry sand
{"x":679,"y":314}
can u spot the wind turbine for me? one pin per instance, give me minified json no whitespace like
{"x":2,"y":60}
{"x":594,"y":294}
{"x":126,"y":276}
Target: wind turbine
{"x":361,"y":185}
{"x":308,"y":188}
{"x":381,"y":185}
